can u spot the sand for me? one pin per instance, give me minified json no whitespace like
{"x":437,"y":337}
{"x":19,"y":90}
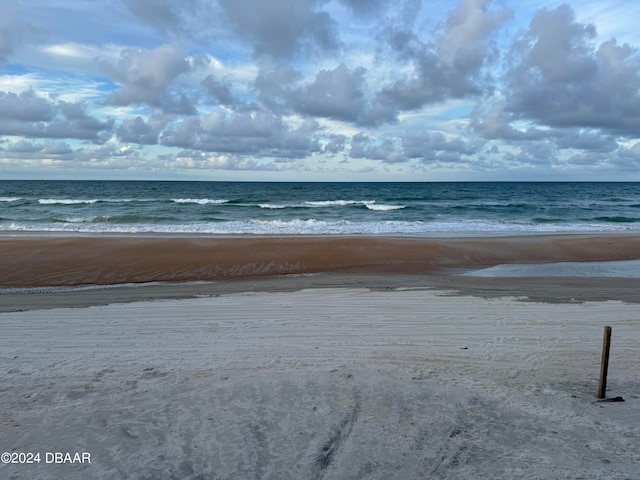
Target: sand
{"x":65,"y":260}
{"x":340,"y":375}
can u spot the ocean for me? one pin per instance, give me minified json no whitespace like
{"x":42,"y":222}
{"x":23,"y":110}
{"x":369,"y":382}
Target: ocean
{"x":422,"y":209}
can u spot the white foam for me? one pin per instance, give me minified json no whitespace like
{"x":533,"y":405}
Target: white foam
{"x":340,"y":203}
{"x":200,"y":201}
{"x":313,"y":226}
{"x":274,"y":206}
{"x":375,"y":206}
{"x":65,"y":201}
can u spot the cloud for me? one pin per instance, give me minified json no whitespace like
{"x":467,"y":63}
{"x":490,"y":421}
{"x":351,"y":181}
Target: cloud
{"x":198,"y":21}
{"x":137,"y":130}
{"x":13,"y":29}
{"x":145,"y":77}
{"x":161,"y":14}
{"x":193,"y":159}
{"x":25,"y":149}
{"x":274,"y":83}
{"x":363,"y":146}
{"x":364,"y":7}
{"x":336,"y":94}
{"x":31,"y":115}
{"x":249,"y":133}
{"x":335,"y":145}
{"x":433,"y":145}
{"x":220,"y":90}
{"x":282,"y":27}
{"x":564,"y":81}
{"x":451,"y":66}
{"x":588,"y":140}
{"x":25,"y":107}
{"x":467,"y":29}
{"x":23,"y":146}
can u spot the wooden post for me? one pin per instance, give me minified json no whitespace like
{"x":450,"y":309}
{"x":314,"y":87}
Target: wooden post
{"x":604,"y":365}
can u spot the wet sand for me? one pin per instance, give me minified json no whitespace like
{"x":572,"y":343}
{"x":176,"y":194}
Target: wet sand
{"x":60,"y":260}
{"x":152,"y":266}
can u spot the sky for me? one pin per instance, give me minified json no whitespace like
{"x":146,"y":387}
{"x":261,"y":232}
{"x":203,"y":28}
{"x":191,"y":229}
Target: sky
{"x":320,"y":90}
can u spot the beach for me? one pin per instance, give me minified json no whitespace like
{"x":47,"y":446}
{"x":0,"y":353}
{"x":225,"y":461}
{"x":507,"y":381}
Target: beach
{"x":307,"y":357}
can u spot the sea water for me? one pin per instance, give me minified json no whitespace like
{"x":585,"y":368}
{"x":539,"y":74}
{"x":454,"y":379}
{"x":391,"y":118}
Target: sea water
{"x":266,"y":208}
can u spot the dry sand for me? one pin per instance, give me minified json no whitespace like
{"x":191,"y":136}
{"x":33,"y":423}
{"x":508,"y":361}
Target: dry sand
{"x":332,"y":376}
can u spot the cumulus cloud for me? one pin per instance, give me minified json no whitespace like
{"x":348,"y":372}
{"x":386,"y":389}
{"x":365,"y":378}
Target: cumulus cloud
{"x":26,"y":149}
{"x":221,"y":90}
{"x":23,"y":146}
{"x":145,"y":77}
{"x":591,"y":140}
{"x":336,"y":144}
{"x":282,"y":27}
{"x":31,"y":115}
{"x":142,"y":132}
{"x":274,"y":83}
{"x":385,"y":150}
{"x":563,"y":80}
{"x":337,"y":94}
{"x":250,"y":133}
{"x":25,"y":107}
{"x":431,"y":145}
{"x":451,"y":66}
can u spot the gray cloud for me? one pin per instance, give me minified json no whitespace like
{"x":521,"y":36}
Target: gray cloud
{"x":494,"y":121}
{"x":25,"y":149}
{"x":6,"y":41}
{"x":431,"y":145}
{"x":194,"y":20}
{"x":145,"y":77}
{"x":591,"y":140}
{"x":252,"y":133}
{"x":385,"y":150}
{"x":161,"y":14}
{"x":34,"y":116}
{"x":274,"y":83}
{"x":26,"y":107}
{"x":337,"y":94}
{"x":282,"y":27}
{"x":137,"y":130}
{"x":57,"y":148}
{"x":221,"y":90}
{"x":335,"y":145}
{"x":23,"y":146}
{"x":564,"y":81}
{"x":451,"y":66}
{"x":13,"y":29}
{"x":364,"y":7}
